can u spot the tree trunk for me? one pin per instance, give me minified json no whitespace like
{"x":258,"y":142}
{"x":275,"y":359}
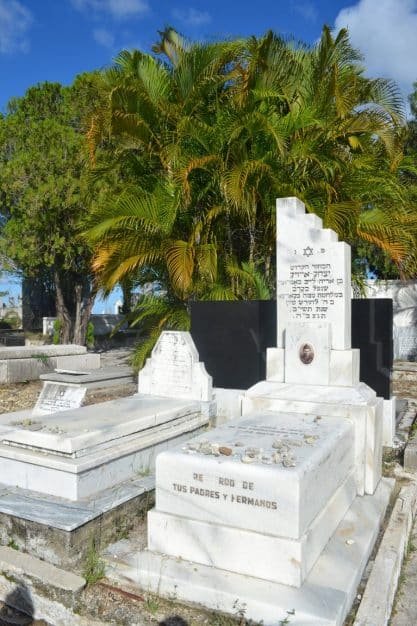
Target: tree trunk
{"x":127,"y":296}
{"x":81,"y":295}
{"x":62,"y":311}
{"x":82,"y":313}
{"x":78,"y":291}
{"x":252,"y":243}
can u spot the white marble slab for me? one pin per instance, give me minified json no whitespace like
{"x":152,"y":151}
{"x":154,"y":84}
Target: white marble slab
{"x":76,"y":478}
{"x":56,"y":397}
{"x":174,"y":370}
{"x":314,"y":456}
{"x":27,"y":352}
{"x":324,"y":599}
{"x":76,"y":431}
{"x":218,"y":545}
{"x":66,"y":515}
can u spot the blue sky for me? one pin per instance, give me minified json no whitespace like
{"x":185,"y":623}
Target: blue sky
{"x":55,"y":40}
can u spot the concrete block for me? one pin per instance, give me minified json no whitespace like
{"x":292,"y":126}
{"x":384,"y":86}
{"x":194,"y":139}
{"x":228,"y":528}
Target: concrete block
{"x":20,"y":563}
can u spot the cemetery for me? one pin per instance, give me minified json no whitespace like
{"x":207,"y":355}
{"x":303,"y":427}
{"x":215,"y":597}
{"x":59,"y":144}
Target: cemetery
{"x":263,"y":503}
{"x":208,"y":314}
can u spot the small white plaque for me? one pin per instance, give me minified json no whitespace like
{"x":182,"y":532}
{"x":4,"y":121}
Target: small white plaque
{"x":56,"y":397}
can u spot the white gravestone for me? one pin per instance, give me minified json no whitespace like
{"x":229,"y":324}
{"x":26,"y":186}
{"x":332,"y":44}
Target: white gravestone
{"x":263,"y":513}
{"x":174,"y":370}
{"x":56,"y":397}
{"x":313,"y":274}
{"x":313,"y":292}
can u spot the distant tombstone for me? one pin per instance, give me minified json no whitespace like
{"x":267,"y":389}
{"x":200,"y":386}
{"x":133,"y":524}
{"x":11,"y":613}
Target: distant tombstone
{"x":174,"y":369}
{"x":56,"y":397}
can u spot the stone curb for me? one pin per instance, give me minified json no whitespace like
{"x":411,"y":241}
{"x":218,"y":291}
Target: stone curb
{"x":378,"y":598}
{"x":39,"y":589}
{"x":14,"y":562}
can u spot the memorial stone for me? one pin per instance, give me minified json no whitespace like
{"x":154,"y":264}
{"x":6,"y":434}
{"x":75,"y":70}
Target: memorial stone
{"x":174,"y":369}
{"x":56,"y":397}
{"x":314,"y":367}
{"x":263,"y":512}
{"x":268,"y":482}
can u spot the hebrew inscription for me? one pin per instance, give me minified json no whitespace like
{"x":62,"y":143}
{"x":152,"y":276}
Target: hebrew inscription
{"x":312,"y":289}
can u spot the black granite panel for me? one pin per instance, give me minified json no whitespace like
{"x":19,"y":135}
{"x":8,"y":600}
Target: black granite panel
{"x":232,"y":337}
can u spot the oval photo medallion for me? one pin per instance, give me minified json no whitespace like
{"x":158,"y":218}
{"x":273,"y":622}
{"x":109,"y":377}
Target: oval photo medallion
{"x":306,"y":353}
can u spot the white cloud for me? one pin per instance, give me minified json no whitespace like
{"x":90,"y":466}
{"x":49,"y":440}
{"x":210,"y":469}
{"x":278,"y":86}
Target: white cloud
{"x":15,"y":20}
{"x":104,"y":37}
{"x":119,"y":9}
{"x":385,"y":31}
{"x":192,"y":17}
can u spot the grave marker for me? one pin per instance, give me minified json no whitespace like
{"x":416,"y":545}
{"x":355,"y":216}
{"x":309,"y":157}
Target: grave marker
{"x":174,"y":369}
{"x":283,"y":481}
{"x":313,"y":274}
{"x":56,"y":397}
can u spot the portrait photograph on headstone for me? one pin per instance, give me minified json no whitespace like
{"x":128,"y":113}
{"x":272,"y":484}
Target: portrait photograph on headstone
{"x":306,"y":353}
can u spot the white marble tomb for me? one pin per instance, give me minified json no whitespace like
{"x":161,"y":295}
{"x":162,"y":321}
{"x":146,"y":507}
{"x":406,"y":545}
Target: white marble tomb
{"x":261,"y":503}
{"x":77,"y":453}
{"x":297,"y":479}
{"x":283,"y":487}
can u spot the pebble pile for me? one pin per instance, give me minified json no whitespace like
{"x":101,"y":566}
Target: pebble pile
{"x":281,"y":451}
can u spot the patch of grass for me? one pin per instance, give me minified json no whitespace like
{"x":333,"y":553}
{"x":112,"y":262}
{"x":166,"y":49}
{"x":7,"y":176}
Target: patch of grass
{"x":12,"y":544}
{"x":411,"y":547}
{"x":43,"y":358}
{"x":9,"y":577}
{"x":223,"y":620}
{"x":94,"y":567}
{"x":151,"y":604}
{"x":413,"y":429}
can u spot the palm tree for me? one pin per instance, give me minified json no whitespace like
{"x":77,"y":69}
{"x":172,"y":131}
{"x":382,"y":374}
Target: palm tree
{"x":204,"y":137}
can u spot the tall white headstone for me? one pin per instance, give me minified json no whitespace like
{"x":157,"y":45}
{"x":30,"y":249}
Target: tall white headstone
{"x":313,"y":302}
{"x":313,"y":274}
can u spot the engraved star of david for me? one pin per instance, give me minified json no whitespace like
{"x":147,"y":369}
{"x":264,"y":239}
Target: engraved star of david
{"x":308,"y":251}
